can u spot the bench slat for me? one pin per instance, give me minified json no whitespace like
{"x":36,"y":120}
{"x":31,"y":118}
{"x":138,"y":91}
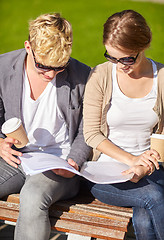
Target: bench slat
{"x":91,"y":220}
{"x":92,"y":231}
{"x":93,"y":212}
{"x":14,"y":198}
{"x":82,"y":215}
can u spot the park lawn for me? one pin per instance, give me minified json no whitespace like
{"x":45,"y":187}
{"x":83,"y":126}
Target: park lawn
{"x":87,"y":18}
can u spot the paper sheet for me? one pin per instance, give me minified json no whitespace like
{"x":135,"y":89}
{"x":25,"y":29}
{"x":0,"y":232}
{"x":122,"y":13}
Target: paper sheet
{"x":97,"y":172}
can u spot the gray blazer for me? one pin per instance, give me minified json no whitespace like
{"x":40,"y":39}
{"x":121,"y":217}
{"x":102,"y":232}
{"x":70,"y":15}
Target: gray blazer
{"x":70,"y":89}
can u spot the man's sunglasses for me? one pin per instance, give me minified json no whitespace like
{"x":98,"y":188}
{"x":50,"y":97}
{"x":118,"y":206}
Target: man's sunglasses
{"x":124,"y":60}
{"x":47,"y":68}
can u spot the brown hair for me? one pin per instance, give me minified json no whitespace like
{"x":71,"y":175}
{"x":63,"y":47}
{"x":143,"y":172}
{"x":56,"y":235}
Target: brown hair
{"x":127,"y":30}
{"x":50,"y":37}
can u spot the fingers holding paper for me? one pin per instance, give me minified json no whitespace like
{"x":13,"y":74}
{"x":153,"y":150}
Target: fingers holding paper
{"x":139,"y":172}
{"x":65,"y":173}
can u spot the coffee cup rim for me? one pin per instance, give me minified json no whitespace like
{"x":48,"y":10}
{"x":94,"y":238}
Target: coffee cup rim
{"x":157,"y":136}
{"x":11,"y":125}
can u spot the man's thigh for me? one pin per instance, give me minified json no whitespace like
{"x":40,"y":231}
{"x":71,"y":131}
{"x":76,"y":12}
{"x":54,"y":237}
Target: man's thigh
{"x":11,"y":179}
{"x":46,"y":188}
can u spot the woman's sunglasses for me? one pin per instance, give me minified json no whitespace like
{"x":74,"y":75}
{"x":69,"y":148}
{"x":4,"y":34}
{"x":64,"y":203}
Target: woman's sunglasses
{"x":124,"y":60}
{"x":47,"y":68}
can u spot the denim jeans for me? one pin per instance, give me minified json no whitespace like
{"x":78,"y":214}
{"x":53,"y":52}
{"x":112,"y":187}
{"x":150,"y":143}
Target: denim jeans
{"x":145,"y":197}
{"x":37,"y":193}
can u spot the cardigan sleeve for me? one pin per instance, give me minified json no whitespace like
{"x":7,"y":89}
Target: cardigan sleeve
{"x":94,"y":98}
{"x":159,"y":105}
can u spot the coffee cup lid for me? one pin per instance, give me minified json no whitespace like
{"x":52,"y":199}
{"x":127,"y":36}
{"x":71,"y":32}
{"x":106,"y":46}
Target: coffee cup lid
{"x":158,"y":136}
{"x":11,"y":125}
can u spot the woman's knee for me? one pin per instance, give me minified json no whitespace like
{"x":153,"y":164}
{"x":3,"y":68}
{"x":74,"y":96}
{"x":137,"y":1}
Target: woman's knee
{"x":154,"y":196}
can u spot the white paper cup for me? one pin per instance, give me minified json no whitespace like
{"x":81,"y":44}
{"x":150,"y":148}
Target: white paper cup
{"x":157,"y":143}
{"x":13,"y":128}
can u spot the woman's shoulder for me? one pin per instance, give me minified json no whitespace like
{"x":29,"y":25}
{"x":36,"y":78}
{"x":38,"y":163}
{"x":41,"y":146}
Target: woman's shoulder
{"x":101,"y":72}
{"x":106,"y":66}
{"x":101,"y":77}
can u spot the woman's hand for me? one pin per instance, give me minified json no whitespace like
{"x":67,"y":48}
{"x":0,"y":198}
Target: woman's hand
{"x":65,"y":173}
{"x":139,"y":172}
{"x":148,"y":159}
{"x":7,"y":153}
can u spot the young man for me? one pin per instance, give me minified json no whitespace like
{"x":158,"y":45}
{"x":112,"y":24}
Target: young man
{"x":43,"y":87}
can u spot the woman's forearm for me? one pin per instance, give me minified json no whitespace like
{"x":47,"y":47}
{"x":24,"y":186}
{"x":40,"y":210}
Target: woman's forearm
{"x":110,"y":149}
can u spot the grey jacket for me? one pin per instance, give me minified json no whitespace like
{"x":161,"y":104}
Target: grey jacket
{"x":70,"y":89}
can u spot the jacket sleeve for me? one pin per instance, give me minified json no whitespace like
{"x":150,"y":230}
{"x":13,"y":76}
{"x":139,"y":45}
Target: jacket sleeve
{"x":1,"y":117}
{"x":80,"y":152}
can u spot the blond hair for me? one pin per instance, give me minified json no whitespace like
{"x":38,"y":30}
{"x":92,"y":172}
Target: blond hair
{"x":127,"y":30}
{"x":50,"y":37}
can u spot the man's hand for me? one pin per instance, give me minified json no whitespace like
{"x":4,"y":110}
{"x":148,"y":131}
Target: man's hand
{"x":7,"y":153}
{"x":65,"y":173}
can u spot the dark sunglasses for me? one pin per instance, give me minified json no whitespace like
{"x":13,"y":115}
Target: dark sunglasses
{"x":47,"y":68}
{"x":124,"y":60}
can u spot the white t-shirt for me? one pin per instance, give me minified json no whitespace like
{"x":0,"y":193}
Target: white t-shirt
{"x":43,"y":121}
{"x":131,"y":120}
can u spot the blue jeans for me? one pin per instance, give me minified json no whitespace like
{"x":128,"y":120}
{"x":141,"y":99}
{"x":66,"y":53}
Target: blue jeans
{"x":145,"y":197}
{"x":37,"y":194}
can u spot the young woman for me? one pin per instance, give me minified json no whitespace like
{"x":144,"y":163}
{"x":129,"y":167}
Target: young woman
{"x":123,"y":106}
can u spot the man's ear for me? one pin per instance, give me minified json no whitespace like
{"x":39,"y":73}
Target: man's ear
{"x":27,"y":46}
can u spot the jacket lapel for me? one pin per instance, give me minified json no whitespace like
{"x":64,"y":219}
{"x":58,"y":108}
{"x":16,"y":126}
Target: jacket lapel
{"x":63,"y":94}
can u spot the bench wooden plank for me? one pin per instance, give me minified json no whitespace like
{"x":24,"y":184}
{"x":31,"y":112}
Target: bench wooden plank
{"x":72,"y":236}
{"x":13,"y":198}
{"x":90,"y":220}
{"x":82,"y":215}
{"x":92,"y":231}
{"x":93,"y":212}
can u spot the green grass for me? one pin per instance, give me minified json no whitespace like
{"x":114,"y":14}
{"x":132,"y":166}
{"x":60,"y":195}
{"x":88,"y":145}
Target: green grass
{"x":87,"y":18}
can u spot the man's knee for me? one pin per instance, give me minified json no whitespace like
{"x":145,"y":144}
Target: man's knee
{"x":33,"y":201}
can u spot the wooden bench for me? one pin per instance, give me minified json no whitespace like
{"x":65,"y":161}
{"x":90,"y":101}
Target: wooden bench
{"x":82,"y":217}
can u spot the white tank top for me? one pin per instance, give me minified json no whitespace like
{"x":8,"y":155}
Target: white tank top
{"x":43,"y":121}
{"x":131,"y":120}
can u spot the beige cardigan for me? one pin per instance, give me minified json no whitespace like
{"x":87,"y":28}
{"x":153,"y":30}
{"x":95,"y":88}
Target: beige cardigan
{"x":97,"y":102}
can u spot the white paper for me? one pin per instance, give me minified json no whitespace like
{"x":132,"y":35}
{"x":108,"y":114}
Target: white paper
{"x":97,"y":172}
